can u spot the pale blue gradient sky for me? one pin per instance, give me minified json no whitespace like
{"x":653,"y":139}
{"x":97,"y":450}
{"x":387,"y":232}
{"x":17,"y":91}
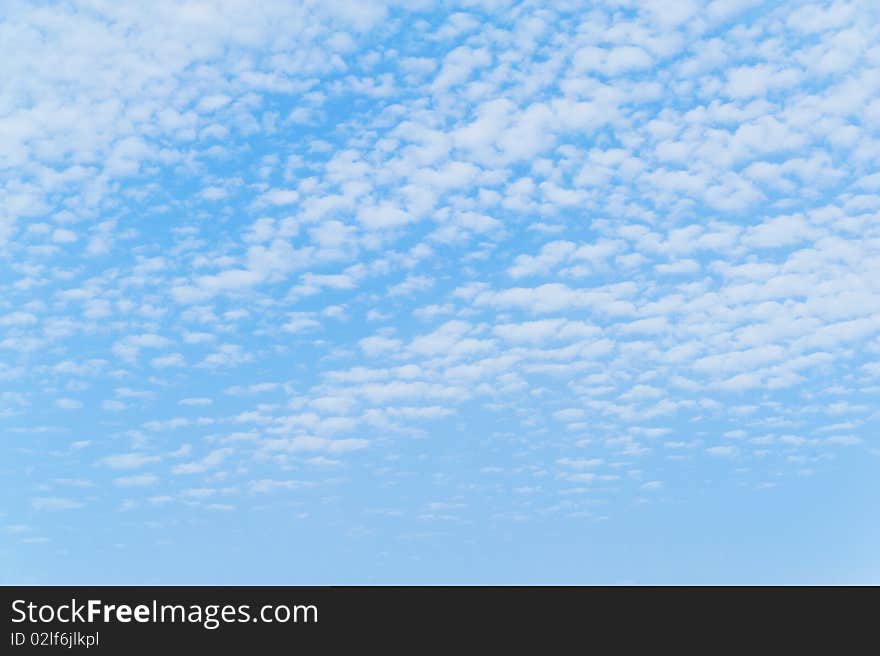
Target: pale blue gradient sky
{"x":478,"y":292}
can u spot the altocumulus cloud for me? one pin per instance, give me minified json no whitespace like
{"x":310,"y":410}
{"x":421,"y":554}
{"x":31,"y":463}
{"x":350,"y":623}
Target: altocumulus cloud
{"x":532,"y":257}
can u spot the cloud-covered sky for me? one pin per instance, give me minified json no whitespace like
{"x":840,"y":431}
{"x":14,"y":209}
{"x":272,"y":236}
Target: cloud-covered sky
{"x":475,"y":291}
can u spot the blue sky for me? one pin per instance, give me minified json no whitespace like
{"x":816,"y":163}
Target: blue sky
{"x":404,"y":292}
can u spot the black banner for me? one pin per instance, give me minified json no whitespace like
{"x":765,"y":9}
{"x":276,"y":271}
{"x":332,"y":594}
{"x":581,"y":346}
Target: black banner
{"x":125,"y":620}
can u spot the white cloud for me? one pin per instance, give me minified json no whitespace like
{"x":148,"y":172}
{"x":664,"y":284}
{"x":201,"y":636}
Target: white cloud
{"x":575,"y":246}
{"x":55,"y":503}
{"x":128,"y":460}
